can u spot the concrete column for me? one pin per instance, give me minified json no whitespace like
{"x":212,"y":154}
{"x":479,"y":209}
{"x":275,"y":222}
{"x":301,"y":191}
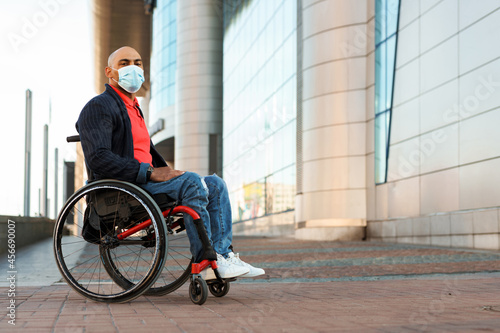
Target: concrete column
{"x":45,"y":190}
{"x":27,"y":154}
{"x":199,"y":85}
{"x":332,"y":201}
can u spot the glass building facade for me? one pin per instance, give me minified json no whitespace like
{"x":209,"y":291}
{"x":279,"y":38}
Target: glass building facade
{"x":163,"y":56}
{"x":386,"y":33}
{"x":339,"y":123}
{"x":259,"y":110}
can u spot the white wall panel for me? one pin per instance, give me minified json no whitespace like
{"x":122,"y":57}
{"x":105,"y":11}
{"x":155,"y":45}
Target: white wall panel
{"x":408,"y":43}
{"x":485,"y":221}
{"x":435,"y":29}
{"x":480,"y":185}
{"x":439,"y":149}
{"x":356,"y":139}
{"x":404,"y":198}
{"x":331,"y":141}
{"x":438,"y":107}
{"x":326,"y":174}
{"x":479,"y":43}
{"x":479,"y":90}
{"x":405,"y":122}
{"x":472,"y":10}
{"x":480,"y":137}
{"x":461,"y":223}
{"x":340,"y":43}
{"x":407,"y":82}
{"x":439,"y":192}
{"x":334,"y":109}
{"x":381,"y":202}
{"x":347,"y":204}
{"x":410,"y":10}
{"x":329,"y":14}
{"x":426,"y":5}
{"x":439,"y":65}
{"x":404,"y":160}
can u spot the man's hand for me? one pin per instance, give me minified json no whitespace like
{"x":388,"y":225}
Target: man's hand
{"x":164,"y":173}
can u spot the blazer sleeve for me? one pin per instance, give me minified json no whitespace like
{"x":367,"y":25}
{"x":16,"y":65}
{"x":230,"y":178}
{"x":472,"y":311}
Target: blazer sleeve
{"x":95,"y":126}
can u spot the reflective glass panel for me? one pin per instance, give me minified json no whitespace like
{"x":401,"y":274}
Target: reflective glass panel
{"x":163,"y":56}
{"x":381,"y":79}
{"x":259,"y":110}
{"x":386,"y":25}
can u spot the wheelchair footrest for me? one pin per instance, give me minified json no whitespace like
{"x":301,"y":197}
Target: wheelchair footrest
{"x":197,"y":268}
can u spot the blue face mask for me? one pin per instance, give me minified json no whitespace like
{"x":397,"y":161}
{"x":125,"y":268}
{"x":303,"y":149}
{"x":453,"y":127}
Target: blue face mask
{"x":130,"y":78}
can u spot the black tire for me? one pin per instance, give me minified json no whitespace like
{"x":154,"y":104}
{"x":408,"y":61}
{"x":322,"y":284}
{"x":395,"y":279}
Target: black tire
{"x":219,"y":289}
{"x":175,"y":273}
{"x":198,"y":291}
{"x":113,"y":206}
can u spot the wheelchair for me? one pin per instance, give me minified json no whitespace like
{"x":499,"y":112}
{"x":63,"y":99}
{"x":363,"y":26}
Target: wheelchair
{"x":114,"y":242}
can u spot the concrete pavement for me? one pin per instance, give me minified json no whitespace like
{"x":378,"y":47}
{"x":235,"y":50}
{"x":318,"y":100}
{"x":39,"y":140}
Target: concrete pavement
{"x":308,"y":287}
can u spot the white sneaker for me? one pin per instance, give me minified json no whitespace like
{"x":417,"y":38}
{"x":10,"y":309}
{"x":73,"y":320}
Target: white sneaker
{"x":226,"y":270}
{"x":253,"y":271}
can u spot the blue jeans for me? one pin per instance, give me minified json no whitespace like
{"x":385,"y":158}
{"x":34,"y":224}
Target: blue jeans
{"x":208,"y":196}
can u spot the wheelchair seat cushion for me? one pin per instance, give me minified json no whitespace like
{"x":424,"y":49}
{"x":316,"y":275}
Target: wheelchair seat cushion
{"x":164,"y":201}
{"x":105,"y":211}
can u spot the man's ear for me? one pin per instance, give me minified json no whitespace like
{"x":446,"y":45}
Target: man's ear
{"x":108,"y":72}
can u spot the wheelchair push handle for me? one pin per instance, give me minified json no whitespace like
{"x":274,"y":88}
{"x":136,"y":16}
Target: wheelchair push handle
{"x":73,"y":138}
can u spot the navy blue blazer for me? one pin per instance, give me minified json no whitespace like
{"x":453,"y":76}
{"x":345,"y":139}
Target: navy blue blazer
{"x":106,"y":137}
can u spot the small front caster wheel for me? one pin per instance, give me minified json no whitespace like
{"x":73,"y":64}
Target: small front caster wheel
{"x":219,"y":289}
{"x":198,"y":291}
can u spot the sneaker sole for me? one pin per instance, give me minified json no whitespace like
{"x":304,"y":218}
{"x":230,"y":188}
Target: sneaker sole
{"x":248,"y":275}
{"x":211,"y":275}
{"x":233,"y":275}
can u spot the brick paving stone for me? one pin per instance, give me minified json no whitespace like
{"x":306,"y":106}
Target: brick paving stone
{"x":95,"y":329}
{"x":39,"y":323}
{"x":379,"y":287}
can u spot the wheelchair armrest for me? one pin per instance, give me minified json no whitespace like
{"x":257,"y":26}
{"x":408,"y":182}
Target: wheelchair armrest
{"x":73,"y":138}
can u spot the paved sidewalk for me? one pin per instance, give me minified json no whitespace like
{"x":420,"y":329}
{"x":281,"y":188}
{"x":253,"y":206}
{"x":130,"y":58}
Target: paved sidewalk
{"x":308,"y":287}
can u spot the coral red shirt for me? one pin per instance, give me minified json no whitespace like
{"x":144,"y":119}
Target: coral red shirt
{"x":140,"y":132}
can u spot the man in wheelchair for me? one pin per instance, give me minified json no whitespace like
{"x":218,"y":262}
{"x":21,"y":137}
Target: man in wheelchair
{"x":117,"y":145}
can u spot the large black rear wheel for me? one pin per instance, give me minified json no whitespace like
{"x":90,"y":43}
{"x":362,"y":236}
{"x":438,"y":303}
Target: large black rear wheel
{"x":86,"y":236}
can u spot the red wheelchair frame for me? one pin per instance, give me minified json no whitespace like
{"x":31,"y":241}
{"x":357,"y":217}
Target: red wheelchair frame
{"x":198,"y":288}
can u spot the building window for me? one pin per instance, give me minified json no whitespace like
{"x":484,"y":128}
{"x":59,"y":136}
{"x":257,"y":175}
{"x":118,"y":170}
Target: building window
{"x":386,"y":33}
{"x":164,"y":54}
{"x":260,"y":111}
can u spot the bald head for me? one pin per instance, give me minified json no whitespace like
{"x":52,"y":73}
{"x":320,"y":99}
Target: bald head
{"x":124,"y":53}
